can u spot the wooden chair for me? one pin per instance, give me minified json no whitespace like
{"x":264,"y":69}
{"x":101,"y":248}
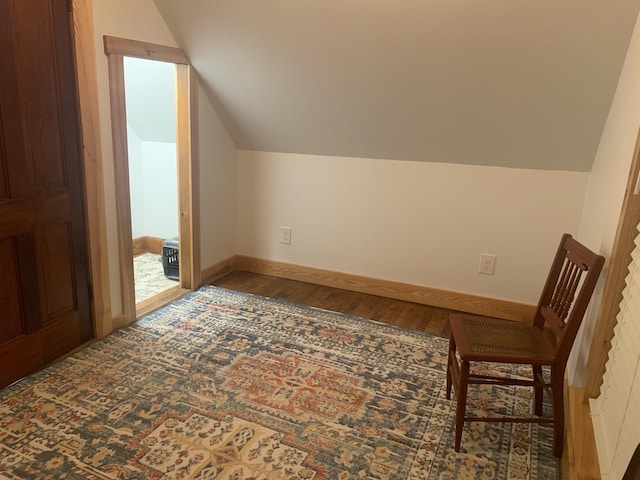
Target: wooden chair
{"x":546,"y":342}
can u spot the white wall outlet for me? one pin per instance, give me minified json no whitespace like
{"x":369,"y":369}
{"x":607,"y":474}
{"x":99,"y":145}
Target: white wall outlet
{"x":487,"y":264}
{"x":285,"y":235}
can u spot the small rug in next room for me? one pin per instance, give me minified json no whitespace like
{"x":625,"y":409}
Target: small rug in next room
{"x":223,"y":385}
{"x":149,"y":276}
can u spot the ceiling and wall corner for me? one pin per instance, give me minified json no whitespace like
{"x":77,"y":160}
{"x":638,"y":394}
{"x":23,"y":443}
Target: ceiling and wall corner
{"x":523,"y":84}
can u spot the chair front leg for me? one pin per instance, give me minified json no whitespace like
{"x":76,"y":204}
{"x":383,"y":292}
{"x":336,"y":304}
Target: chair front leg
{"x":461,"y":402}
{"x":450,"y":358}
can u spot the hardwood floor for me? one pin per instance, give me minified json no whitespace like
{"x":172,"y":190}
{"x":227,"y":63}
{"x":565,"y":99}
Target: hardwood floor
{"x":396,"y":312}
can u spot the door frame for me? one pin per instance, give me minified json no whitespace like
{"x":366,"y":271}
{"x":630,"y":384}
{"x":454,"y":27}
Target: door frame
{"x":187,"y":159}
{"x":86,"y":78}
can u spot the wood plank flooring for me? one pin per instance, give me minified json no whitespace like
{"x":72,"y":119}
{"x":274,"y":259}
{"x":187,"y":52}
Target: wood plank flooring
{"x":395,"y":312}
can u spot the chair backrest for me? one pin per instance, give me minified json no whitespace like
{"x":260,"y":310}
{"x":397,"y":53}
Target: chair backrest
{"x":570,"y":284}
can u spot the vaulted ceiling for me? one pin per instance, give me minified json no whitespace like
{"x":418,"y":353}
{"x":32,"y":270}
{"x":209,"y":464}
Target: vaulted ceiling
{"x":519,"y":83}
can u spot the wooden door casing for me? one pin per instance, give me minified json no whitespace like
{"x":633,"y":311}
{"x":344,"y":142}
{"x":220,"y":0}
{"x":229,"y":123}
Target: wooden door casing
{"x":45,"y":308}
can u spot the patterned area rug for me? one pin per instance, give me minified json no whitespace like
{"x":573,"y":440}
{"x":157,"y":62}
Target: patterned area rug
{"x":223,"y":385}
{"x":149,"y":276}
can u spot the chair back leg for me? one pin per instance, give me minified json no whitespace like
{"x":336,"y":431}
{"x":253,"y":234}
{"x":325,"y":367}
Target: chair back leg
{"x":557,"y":389}
{"x":538,"y":392}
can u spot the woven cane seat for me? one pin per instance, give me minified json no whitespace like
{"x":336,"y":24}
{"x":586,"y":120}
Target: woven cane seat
{"x":501,"y":337}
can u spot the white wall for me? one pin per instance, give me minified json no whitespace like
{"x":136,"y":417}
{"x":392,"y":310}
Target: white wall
{"x":606,"y":189}
{"x":415,"y":222}
{"x":153,"y":185}
{"x":140,"y":20}
{"x":136,"y":177}
{"x":160,"y":189}
{"x":600,"y":217}
{"x":154,"y":196}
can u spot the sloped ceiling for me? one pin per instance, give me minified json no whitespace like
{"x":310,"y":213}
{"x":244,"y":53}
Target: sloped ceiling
{"x":520,"y":83}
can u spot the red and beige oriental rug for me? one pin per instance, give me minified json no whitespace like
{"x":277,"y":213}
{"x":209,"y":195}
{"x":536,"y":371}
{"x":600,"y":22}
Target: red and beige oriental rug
{"x":223,"y":385}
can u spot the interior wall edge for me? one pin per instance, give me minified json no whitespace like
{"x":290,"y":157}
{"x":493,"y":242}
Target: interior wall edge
{"x":218,"y":270}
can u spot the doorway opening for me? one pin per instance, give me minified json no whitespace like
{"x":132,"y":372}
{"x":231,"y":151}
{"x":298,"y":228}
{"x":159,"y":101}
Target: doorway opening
{"x":150,"y":92}
{"x":155,"y":171}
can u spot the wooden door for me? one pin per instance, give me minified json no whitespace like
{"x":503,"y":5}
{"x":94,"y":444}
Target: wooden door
{"x":44,"y":291}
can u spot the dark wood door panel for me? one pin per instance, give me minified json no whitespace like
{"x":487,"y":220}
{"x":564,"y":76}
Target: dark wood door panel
{"x":28,"y":353}
{"x":20,"y":357}
{"x":62,"y":336}
{"x":22,"y":216}
{"x":4,"y":179}
{"x":11,"y":315}
{"x":31,"y":99}
{"x":54,"y":251}
{"x":45,"y":308}
{"x":29,"y":282}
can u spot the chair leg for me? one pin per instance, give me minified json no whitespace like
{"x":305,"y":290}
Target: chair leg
{"x":538,"y":392}
{"x":450,"y":358}
{"x":461,"y":402}
{"x":557,"y":388}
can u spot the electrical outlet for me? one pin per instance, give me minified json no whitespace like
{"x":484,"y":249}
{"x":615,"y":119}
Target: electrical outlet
{"x":487,"y":264}
{"x":285,"y":235}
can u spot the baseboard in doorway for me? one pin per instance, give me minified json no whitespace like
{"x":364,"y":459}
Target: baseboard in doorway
{"x":147,"y":245}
